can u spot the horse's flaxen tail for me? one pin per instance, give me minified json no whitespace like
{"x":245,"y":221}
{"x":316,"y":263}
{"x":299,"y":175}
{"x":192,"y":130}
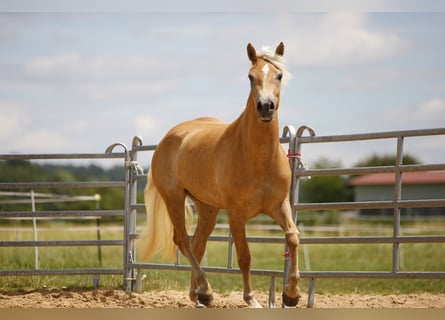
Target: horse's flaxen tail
{"x":157,"y":236}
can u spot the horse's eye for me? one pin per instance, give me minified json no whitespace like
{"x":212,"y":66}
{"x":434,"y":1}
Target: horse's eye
{"x":279,"y":76}
{"x":251,"y":77}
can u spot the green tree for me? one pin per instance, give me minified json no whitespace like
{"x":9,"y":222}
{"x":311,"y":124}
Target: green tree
{"x":325,"y":188}
{"x":385,"y":160}
{"x":27,"y":171}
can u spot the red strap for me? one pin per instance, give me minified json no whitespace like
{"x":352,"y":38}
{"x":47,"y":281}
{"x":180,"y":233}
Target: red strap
{"x":293,"y":155}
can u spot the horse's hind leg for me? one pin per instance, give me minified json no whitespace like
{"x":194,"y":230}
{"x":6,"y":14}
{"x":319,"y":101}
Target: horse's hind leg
{"x":206,"y":223}
{"x":175,"y":206}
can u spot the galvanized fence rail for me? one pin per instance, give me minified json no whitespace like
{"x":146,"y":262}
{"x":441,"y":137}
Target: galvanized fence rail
{"x":295,"y":139}
{"x":80,"y":214}
{"x":396,"y":204}
{"x":132,"y":269}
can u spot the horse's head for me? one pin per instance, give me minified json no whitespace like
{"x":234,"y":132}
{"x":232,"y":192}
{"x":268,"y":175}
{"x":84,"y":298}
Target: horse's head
{"x":266,"y":75}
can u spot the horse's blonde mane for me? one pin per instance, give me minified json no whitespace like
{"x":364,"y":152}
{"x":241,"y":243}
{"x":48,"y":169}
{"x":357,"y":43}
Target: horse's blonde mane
{"x":278,"y":61}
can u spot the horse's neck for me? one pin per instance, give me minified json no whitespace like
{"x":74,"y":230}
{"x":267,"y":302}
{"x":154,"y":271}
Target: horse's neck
{"x":259,"y":141}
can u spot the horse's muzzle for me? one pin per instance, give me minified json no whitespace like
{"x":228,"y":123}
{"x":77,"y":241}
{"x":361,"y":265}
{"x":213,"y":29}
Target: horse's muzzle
{"x":266,"y":110}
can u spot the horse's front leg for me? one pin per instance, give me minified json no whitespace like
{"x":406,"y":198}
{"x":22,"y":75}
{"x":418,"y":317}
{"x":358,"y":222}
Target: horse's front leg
{"x":291,"y":292}
{"x":283,"y":216}
{"x":238,"y":231}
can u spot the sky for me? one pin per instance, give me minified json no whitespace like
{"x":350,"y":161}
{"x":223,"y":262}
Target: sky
{"x":80,"y":80}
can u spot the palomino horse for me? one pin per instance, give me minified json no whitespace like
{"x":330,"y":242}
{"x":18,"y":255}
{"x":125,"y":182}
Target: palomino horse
{"x":240,"y":167}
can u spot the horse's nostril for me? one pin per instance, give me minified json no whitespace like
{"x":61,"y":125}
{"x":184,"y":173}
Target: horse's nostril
{"x":265,"y":107}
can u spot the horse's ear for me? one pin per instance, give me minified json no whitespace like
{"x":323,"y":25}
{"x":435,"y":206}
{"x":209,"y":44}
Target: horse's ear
{"x":280,"y":49}
{"x":251,"y":53}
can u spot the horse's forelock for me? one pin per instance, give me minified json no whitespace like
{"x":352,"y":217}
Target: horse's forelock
{"x":278,"y":61}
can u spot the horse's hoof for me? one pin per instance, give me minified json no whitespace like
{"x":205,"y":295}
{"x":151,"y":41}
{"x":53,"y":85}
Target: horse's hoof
{"x":255,"y":304}
{"x":290,"y":302}
{"x":199,"y":305}
{"x":205,"y":299}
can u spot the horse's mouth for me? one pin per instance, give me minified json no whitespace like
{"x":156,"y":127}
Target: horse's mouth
{"x":266,"y":119}
{"x":266,"y":111}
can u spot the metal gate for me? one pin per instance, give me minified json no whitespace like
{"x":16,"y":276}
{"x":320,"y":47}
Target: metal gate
{"x":131,"y":271}
{"x":80,"y":214}
{"x":295,"y":139}
{"x":396,"y":205}
{"x":132,"y":268}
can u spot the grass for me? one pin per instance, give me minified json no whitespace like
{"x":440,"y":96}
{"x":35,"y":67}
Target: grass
{"x":354,"y":257}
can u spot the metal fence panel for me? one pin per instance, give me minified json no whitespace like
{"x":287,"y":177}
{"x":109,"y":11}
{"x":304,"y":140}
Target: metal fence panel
{"x":296,"y":139}
{"x":67,"y":214}
{"x":131,"y":270}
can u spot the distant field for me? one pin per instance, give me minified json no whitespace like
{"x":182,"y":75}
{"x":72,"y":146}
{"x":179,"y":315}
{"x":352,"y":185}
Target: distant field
{"x":355,"y":257}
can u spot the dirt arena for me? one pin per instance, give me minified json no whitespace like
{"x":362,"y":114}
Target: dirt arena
{"x":114,"y":298}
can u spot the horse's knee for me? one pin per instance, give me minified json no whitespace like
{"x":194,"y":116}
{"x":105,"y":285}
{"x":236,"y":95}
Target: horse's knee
{"x":294,"y":277}
{"x":293,"y":239}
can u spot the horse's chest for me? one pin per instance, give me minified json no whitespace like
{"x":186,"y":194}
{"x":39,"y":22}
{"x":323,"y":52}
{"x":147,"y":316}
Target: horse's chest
{"x":257,"y":194}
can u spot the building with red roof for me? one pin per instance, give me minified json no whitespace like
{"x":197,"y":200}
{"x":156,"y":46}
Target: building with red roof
{"x":415,"y":186}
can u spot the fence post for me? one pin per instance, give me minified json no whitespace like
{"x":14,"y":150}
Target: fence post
{"x":295,"y":151}
{"x":311,"y":293}
{"x":134,"y":169}
{"x":397,"y":199}
{"x":272,"y":293}
{"x":34,"y":226}
{"x":127,"y":254}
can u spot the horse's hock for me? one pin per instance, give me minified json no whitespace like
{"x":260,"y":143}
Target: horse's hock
{"x":132,"y":269}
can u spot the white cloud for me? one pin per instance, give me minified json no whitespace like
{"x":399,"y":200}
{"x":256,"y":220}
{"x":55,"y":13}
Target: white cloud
{"x":145,"y":125}
{"x":432,"y":108}
{"x":372,"y":79}
{"x":109,"y":91}
{"x":311,"y":40}
{"x":105,"y":78}
{"x":13,"y":120}
{"x":18,"y":131}
{"x":102,"y":77}
{"x":339,"y":39}
{"x":430,"y":114}
{"x":43,"y":140}
{"x":173,"y":31}
{"x":46,"y":67}
{"x":76,"y":67}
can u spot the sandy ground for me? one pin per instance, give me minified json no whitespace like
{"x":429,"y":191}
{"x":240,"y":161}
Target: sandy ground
{"x":114,"y":298}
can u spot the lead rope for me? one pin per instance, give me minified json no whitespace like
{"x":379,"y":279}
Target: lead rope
{"x":136,"y":167}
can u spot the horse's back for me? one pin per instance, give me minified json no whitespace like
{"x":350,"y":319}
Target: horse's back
{"x":186,"y":151}
{"x":198,"y":130}
{"x":191,"y":127}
